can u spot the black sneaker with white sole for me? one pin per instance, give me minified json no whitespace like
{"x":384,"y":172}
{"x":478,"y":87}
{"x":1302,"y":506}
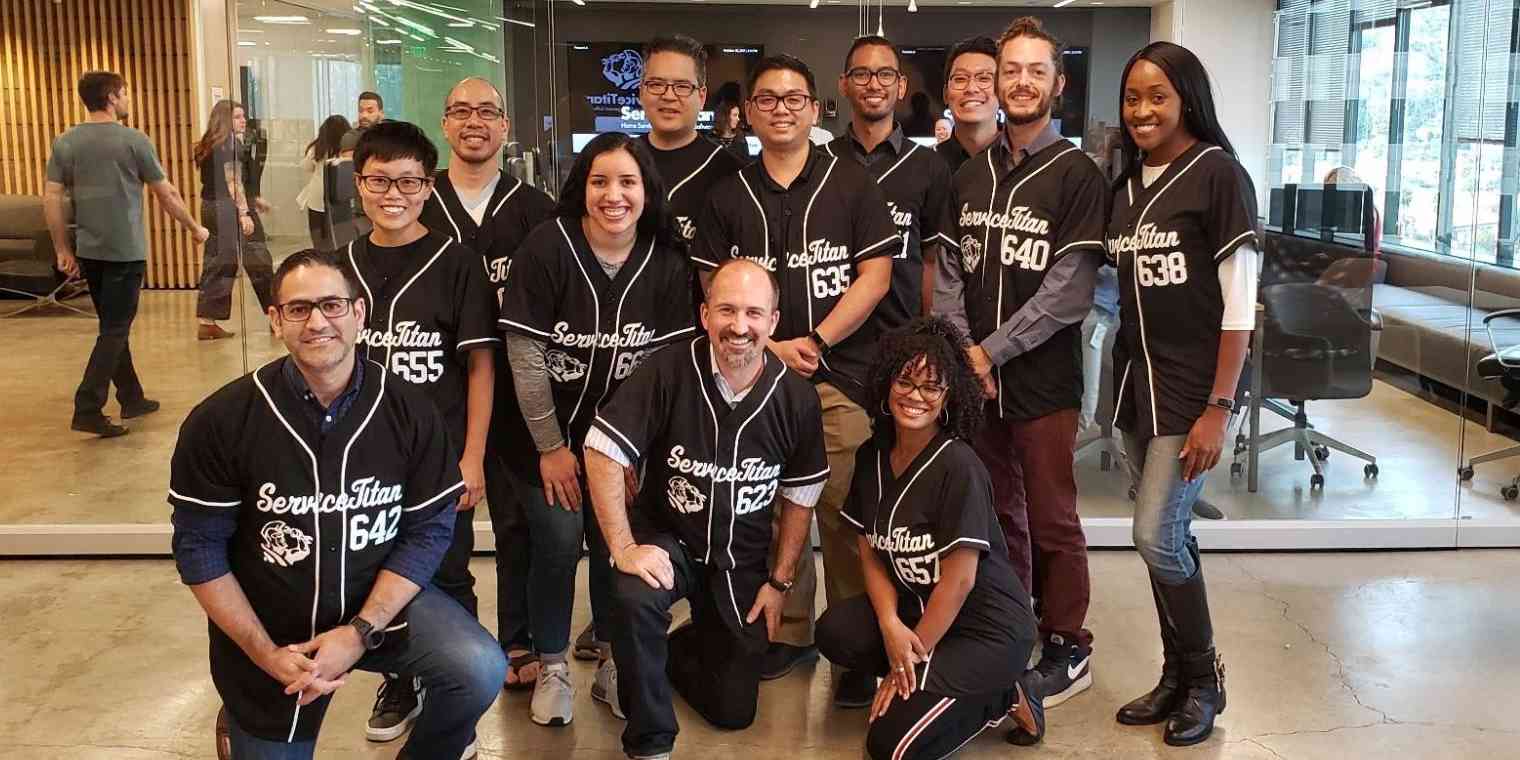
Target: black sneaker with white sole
{"x":397,"y":705}
{"x":780,"y":659}
{"x":1064,"y":671}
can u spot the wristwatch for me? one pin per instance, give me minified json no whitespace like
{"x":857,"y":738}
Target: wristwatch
{"x":823,"y":345}
{"x":1227,"y":404}
{"x":372,"y":638}
{"x":778,"y":584}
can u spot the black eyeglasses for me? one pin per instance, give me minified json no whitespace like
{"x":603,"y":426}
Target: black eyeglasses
{"x":300,"y":311}
{"x":861,"y":76}
{"x":659,"y":87}
{"x":379,"y":183}
{"x":463,"y":112}
{"x":961,"y":81}
{"x":795,"y":101}
{"x":929,"y":392}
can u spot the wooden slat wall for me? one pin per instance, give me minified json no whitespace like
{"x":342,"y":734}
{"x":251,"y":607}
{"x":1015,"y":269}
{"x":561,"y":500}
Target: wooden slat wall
{"x":46,"y":45}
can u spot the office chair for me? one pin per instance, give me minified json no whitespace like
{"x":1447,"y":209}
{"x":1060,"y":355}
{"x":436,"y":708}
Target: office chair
{"x":1502,"y":365}
{"x":342,"y":224}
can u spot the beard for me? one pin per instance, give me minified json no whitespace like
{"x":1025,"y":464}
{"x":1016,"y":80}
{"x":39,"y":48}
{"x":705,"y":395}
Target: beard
{"x":1041,"y":110}
{"x":738,"y":359}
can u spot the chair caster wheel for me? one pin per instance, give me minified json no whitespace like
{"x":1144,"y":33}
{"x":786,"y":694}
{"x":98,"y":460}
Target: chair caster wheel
{"x":1370,"y":471}
{"x":1465,"y":472}
{"x":1236,"y":469}
{"x":1510,"y":492}
{"x":1316,"y":481}
{"x":1322,"y":452}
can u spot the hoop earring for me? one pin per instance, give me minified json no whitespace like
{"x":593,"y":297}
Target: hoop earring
{"x":885,"y":412}
{"x":945,"y":412}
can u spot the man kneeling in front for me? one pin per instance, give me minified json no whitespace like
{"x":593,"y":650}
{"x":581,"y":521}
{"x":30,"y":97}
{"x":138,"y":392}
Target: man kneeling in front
{"x":313,"y":501}
{"x":727,"y":436}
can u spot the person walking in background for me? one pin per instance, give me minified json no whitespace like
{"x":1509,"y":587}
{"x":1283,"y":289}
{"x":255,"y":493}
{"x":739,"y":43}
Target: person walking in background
{"x":230,"y":212}
{"x":103,"y":165}
{"x":313,"y":198}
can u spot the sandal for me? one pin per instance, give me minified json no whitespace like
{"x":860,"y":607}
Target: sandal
{"x":520,"y":660}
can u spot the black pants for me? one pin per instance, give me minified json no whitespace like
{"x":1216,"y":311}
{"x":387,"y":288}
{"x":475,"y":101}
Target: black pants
{"x":114,"y":289}
{"x":925,"y":725}
{"x":714,"y":669}
{"x":510,"y":527}
{"x":453,"y":576}
{"x":223,"y":251}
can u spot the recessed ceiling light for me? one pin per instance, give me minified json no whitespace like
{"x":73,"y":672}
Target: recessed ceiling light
{"x":282,"y":19}
{"x":247,"y":43}
{"x":1063,"y":3}
{"x":461,"y":24}
{"x":387,"y":42}
{"x":347,"y":32}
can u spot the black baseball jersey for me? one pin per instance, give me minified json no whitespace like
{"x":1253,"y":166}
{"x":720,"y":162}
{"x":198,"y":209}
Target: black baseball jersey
{"x":713,"y":474}
{"x":512,"y":211}
{"x":943,"y":501}
{"x":425,"y":315}
{"x":917,"y":187}
{"x":1014,"y":224}
{"x":689,"y":173}
{"x":812,"y":236}
{"x":953,"y":153}
{"x":597,"y":329}
{"x":316,"y":515}
{"x":1167,"y":241}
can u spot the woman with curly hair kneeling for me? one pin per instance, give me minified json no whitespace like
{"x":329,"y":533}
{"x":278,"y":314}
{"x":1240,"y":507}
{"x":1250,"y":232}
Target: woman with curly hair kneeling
{"x":953,"y":627}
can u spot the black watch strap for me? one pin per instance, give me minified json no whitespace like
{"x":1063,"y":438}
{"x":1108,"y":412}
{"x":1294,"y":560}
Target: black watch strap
{"x":1227,"y":404}
{"x":371,"y":637}
{"x":823,"y":345}
{"x":779,"y":585}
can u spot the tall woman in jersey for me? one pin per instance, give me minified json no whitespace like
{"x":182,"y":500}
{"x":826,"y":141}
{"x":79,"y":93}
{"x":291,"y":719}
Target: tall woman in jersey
{"x":943,"y":620}
{"x":592,"y":291}
{"x":1182,"y":231}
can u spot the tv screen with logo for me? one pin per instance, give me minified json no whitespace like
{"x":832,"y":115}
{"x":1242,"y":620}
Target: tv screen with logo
{"x":604,"y":86}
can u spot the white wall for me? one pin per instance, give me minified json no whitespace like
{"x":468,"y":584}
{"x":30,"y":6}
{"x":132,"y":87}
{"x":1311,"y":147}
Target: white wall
{"x":1164,"y":17}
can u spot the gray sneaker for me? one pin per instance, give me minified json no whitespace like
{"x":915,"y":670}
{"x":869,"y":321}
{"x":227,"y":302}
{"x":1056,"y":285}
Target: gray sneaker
{"x":553,"y":696}
{"x":605,"y":688}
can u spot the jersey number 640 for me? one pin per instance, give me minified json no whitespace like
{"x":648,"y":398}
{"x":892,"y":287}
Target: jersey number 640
{"x":1032,"y":254}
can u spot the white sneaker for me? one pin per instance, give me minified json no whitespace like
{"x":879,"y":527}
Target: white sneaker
{"x":605,"y":688}
{"x":553,"y":696}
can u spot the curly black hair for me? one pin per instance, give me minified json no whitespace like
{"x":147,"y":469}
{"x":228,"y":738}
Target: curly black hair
{"x":939,"y":343}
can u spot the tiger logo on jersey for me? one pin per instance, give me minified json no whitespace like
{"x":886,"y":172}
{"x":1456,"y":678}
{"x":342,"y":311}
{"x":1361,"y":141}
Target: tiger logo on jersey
{"x":563,"y":367}
{"x":684,"y":497}
{"x":284,"y":545}
{"x":971,"y":253}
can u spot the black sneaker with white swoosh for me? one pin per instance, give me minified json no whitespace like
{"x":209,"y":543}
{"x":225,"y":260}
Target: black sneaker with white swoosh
{"x":1065,"y":670}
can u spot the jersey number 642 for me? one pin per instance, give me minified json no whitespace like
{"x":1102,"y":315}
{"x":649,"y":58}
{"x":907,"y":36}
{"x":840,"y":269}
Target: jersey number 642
{"x":362,"y":532}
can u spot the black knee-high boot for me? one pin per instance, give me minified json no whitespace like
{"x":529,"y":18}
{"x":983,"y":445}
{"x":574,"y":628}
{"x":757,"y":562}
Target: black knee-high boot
{"x":1202,"y":671}
{"x":1158,"y":704}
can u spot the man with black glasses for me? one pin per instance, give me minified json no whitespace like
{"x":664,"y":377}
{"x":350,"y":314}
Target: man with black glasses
{"x":970,"y":92}
{"x":820,"y":224}
{"x":313,"y":500}
{"x":433,"y":324}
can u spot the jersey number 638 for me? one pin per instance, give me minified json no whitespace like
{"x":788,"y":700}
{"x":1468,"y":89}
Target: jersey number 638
{"x":1161,"y":269}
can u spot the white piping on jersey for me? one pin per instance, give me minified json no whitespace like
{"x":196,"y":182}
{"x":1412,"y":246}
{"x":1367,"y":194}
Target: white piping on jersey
{"x":918,"y":728}
{"x":694,"y":173}
{"x":1150,"y":373}
{"x":807,"y":269}
{"x":629,"y":450}
{"x":733,"y":597}
{"x":658,"y":339}
{"x":962,"y":540}
{"x":1007,"y":207}
{"x":390,"y":317}
{"x":800,"y":478}
{"x":596,"y":318}
{"x":765,"y":227}
{"x":733,"y":488}
{"x":342,"y":481}
{"x":698,"y":368}
{"x":1073,"y":244}
{"x":316,"y":476}
{"x":504,"y":198}
{"x":1232,"y":243}
{"x":183,"y":497}
{"x":892,"y":515}
{"x":435,"y":497}
{"x":912,"y":146}
{"x":1123,"y":379}
{"x":464,"y":343}
{"x":617,"y":319}
{"x":458,"y":236}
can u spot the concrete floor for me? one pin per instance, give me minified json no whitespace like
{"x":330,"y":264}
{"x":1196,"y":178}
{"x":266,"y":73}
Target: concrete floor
{"x":1336,"y":656}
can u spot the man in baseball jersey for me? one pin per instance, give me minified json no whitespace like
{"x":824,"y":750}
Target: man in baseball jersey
{"x":433,"y":324}
{"x":313,"y":501}
{"x":820,"y":224}
{"x":915,"y":181}
{"x":727,"y":436}
{"x":1030,"y":242}
{"x":971,"y":94}
{"x":486,"y":210}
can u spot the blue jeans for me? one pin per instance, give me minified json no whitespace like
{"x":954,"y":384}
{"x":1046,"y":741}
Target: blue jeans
{"x":1163,"y":506}
{"x":554,"y":554}
{"x":459,"y":663}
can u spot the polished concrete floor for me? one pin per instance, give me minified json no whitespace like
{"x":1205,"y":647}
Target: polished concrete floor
{"x":1333,"y":656}
{"x":58,"y":476}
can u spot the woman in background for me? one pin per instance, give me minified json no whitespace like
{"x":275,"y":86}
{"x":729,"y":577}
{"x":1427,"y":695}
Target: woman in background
{"x":318,"y":152}
{"x":228,"y":212}
{"x":728,"y":129}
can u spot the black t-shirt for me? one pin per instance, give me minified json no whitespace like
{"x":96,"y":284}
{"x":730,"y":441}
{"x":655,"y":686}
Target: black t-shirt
{"x":214,"y":172}
{"x":689,"y":172}
{"x":317,"y":515}
{"x":812,"y":236}
{"x":917,"y":186}
{"x":714,"y":474}
{"x":943,"y":501}
{"x":1014,"y":225}
{"x":512,"y":211}
{"x":429,"y":305}
{"x":597,"y":329}
{"x":1167,"y":241}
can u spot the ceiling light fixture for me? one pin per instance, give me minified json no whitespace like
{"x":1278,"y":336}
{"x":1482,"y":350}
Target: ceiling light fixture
{"x":387,"y":42}
{"x":247,"y":43}
{"x":282,"y":19}
{"x":1063,"y":3}
{"x":813,"y":4}
{"x":347,"y":32}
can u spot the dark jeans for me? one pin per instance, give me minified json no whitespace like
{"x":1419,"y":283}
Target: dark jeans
{"x":316,"y":222}
{"x":715,"y":670}
{"x":1035,"y":493}
{"x":223,"y":250}
{"x":459,"y":664}
{"x":504,"y":499}
{"x":114,"y":289}
{"x":453,"y":577}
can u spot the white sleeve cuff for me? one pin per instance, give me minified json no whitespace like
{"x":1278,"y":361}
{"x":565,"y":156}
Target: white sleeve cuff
{"x":596,"y":439}
{"x":1238,"y":277}
{"x":802,"y":496}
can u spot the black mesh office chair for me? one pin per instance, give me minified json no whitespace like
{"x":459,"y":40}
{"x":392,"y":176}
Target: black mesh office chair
{"x":1503,"y":365}
{"x":341,"y":197}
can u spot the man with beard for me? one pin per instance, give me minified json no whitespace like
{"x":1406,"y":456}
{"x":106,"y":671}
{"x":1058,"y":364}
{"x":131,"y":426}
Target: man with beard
{"x":970,"y":91}
{"x":915,"y":181}
{"x":1021,"y":273}
{"x":728,"y":436}
{"x":371,"y":110}
{"x":490,"y":212}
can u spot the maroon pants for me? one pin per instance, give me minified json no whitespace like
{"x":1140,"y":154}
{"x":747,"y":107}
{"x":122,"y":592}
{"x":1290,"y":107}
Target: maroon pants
{"x":1035,"y":493}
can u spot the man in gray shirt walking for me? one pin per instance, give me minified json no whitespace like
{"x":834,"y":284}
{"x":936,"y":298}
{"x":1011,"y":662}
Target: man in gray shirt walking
{"x":102,"y":165}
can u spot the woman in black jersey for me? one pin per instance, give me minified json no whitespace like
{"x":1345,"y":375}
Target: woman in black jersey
{"x":943,"y":619}
{"x":1182,"y":231}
